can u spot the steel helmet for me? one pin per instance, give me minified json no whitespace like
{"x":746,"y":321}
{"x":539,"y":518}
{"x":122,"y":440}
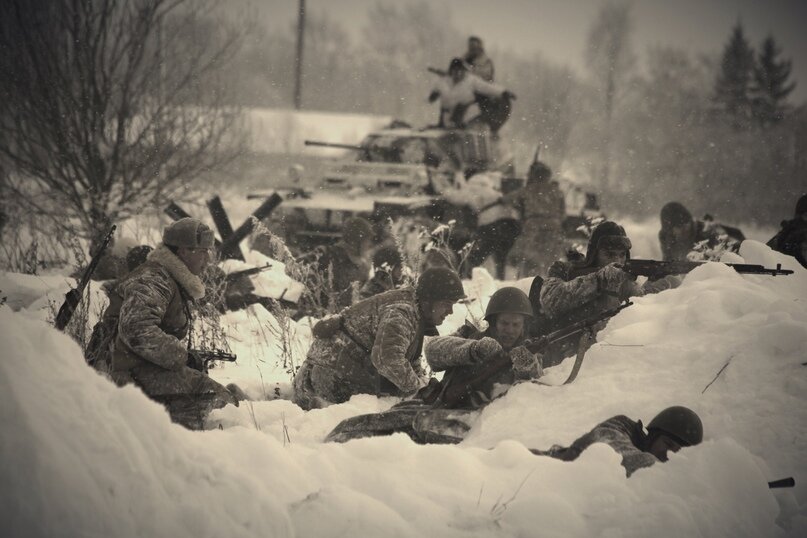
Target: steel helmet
{"x":509,"y":300}
{"x":440,"y":284}
{"x":680,"y":423}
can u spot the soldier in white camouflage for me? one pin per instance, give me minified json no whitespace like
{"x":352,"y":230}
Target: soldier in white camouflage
{"x":374,"y":346}
{"x":468,"y":351}
{"x":574,"y":291}
{"x":670,"y":430}
{"x":154,"y":318}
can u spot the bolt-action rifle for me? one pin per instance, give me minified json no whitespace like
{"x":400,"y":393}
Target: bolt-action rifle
{"x":235,"y":275}
{"x":455,"y":390}
{"x":73,"y":297}
{"x":654,"y":269}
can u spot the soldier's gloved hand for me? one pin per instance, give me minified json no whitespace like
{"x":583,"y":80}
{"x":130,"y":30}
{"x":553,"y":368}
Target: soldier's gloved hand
{"x":667,"y":283}
{"x":610,"y":278}
{"x":485,"y":348}
{"x":526,"y":364}
{"x":195,"y":362}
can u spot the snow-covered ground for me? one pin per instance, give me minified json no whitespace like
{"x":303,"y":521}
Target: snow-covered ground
{"x":80,"y":457}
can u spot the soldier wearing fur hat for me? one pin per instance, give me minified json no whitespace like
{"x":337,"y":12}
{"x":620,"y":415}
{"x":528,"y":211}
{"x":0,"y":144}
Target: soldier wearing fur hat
{"x":469,"y":349}
{"x":387,"y":272}
{"x":792,"y":238}
{"x":680,"y":233}
{"x":669,"y":431}
{"x":574,"y":291}
{"x":153,"y":305}
{"x":374,"y":346}
{"x":346,"y":261}
{"x":542,"y":209}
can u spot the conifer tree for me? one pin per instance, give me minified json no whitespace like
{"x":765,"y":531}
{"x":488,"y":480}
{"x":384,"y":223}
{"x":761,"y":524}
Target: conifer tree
{"x":732,"y":91}
{"x":770,"y":84}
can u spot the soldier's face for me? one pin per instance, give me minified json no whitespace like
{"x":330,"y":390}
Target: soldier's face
{"x":457,"y":75}
{"x":509,"y":328}
{"x":195,"y":258}
{"x":607,"y":256}
{"x":682,"y":232}
{"x":438,"y":311}
{"x":662,"y":445}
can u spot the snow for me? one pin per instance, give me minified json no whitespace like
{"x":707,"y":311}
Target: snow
{"x":81,"y":457}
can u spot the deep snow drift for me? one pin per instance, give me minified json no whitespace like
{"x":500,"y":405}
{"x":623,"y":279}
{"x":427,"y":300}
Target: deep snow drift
{"x":80,"y":457}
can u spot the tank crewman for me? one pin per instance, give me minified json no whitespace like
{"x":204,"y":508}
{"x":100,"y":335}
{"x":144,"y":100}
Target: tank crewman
{"x":467,"y":351}
{"x":574,"y":291}
{"x":792,"y":238}
{"x":497,"y":225}
{"x":458,"y":91}
{"x":388,"y":272}
{"x":543,"y":209}
{"x":479,"y":62}
{"x":346,"y":261}
{"x":672,"y":429}
{"x":680,"y":233}
{"x":374,"y":346}
{"x":155,"y":317}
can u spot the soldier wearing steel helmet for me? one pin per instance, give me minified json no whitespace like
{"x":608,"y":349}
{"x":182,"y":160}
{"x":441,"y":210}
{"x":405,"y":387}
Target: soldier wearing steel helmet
{"x":669,"y":431}
{"x":374,"y":346}
{"x":468,"y":350}
{"x":153,"y":305}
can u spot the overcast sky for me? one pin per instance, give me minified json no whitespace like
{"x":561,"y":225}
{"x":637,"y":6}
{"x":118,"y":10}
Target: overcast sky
{"x":558,"y":28}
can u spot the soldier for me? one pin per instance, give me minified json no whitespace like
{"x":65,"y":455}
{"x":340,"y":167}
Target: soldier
{"x":574,"y":291}
{"x":543,"y":209}
{"x":388,"y":272}
{"x":374,"y":346}
{"x":467,"y":351}
{"x":792,"y":238}
{"x":479,"y":62}
{"x":458,"y":91}
{"x":680,"y":233}
{"x":346,"y":261}
{"x":670,"y":430}
{"x":154,"y":305}
{"x":497,"y":225}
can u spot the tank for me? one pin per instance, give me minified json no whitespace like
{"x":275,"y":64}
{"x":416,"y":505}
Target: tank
{"x":394,"y":172}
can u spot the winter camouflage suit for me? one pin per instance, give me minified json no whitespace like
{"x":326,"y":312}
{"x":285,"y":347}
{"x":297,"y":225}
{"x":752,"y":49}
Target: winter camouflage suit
{"x":542,"y":240}
{"x":622,"y":434}
{"x":372,"y":347}
{"x":574,"y":291}
{"x":457,"y":355}
{"x":153,"y":310}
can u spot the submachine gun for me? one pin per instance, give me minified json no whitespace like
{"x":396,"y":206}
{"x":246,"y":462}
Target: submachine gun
{"x":200,"y":359}
{"x":73,"y":297}
{"x":454,"y":391}
{"x":654,"y":269}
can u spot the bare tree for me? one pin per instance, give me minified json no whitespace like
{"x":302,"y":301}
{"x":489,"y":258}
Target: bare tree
{"x":609,"y":57}
{"x":106,"y":105}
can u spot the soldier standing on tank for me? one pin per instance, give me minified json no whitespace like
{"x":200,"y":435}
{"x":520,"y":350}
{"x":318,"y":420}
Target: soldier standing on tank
{"x":374,"y":346}
{"x":154,"y":317}
{"x":345,"y":262}
{"x":792,"y":238}
{"x":669,"y":431}
{"x":468,"y":351}
{"x":543,"y":209}
{"x":480,"y":63}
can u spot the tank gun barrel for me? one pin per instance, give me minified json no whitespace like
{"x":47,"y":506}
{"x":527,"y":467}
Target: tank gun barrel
{"x":317,"y":143}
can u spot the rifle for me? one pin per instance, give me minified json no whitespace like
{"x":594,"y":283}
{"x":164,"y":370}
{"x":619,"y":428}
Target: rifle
{"x":654,"y":269}
{"x":232,"y":277}
{"x":73,"y":297}
{"x":198,"y":359}
{"x":455,"y":390}
{"x":440,"y":72}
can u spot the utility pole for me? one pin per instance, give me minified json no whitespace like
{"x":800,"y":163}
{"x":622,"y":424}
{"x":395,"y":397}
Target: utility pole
{"x":298,"y":64}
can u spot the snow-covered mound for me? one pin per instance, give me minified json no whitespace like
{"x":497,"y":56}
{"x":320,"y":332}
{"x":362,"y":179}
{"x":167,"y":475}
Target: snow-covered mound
{"x":81,"y":457}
